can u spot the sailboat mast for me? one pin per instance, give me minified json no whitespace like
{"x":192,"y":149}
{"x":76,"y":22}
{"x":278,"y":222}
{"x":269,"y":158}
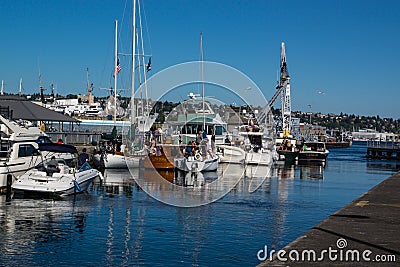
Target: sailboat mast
{"x":202,"y":78}
{"x":115,"y":71}
{"x":133,"y":110}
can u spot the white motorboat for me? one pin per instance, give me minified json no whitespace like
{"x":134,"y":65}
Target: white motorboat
{"x":58,"y":180}
{"x":22,"y":147}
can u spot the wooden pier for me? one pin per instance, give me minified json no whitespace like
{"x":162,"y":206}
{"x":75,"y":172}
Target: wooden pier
{"x":387,"y":151}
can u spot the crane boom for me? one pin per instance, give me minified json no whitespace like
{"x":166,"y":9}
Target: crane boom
{"x":283,"y":89}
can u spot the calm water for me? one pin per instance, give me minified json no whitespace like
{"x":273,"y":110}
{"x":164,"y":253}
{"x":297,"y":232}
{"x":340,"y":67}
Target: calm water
{"x":117,"y":224}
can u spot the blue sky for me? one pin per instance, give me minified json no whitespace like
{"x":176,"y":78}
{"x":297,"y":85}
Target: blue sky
{"x":347,"y":49}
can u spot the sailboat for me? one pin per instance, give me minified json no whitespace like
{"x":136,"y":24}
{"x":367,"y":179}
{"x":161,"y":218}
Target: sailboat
{"x":116,"y":153}
{"x":205,"y":160}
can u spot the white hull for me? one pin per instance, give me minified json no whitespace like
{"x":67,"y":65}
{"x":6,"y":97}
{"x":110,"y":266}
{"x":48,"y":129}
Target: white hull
{"x":117,"y":161}
{"x":193,"y":165}
{"x":11,"y":170}
{"x":63,"y":184}
{"x":231,"y":154}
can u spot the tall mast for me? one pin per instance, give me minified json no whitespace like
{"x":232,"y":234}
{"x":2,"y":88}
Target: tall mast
{"x":202,"y":78}
{"x":115,"y":71}
{"x":133,"y":110}
{"x":284,"y":83}
{"x":143,"y":64}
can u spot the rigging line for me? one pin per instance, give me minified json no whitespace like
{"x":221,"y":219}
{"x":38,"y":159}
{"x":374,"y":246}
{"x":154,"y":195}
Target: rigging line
{"x":147,"y":29}
{"x":143,"y":61}
{"x":138,"y":62}
{"x":121,"y":25}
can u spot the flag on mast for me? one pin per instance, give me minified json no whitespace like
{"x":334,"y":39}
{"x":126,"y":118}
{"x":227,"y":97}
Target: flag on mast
{"x":148,"y":67}
{"x":117,"y":68}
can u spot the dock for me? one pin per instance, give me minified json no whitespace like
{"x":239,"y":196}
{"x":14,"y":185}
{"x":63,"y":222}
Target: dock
{"x":366,"y":232}
{"x":388,"y":151}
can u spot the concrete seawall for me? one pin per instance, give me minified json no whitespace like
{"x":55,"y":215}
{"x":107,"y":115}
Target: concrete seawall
{"x":366,"y":232}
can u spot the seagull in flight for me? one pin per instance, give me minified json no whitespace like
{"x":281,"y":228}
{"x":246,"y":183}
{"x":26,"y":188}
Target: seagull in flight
{"x":320,"y":92}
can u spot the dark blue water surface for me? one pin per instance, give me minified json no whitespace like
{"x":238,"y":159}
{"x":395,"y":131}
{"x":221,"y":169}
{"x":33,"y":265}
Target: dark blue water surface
{"x":117,"y":224}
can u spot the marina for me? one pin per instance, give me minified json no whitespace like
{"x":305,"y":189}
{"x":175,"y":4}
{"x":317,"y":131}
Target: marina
{"x":248,"y":146}
{"x":116,"y":223}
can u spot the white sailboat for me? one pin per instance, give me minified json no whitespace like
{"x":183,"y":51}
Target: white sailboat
{"x":204,"y":161}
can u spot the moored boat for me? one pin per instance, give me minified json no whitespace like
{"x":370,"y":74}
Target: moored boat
{"x":60,"y":180}
{"x":287,"y":150}
{"x":197,"y":163}
{"x":22,"y":147}
{"x":313,"y":152}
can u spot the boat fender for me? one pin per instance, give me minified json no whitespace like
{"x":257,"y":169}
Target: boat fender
{"x":9,"y":182}
{"x":197,"y":157}
{"x":77,"y":186}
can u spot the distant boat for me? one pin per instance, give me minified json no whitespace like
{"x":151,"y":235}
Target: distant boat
{"x":313,"y":152}
{"x":287,"y":150}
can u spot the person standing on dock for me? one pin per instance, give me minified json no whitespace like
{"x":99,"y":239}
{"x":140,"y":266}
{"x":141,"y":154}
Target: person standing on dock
{"x":82,"y":158}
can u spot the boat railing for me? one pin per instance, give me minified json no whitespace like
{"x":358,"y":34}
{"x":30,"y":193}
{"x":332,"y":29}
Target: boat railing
{"x":385,"y":145}
{"x":76,"y":138}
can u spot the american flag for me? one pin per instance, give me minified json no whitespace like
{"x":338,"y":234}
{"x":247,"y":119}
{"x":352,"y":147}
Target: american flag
{"x":117,"y":69}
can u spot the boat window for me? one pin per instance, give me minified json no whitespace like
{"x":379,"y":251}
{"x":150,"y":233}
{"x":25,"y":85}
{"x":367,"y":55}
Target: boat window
{"x":218,"y":130}
{"x":27,"y":151}
{"x":85,"y":167}
{"x":4,"y":149}
{"x":43,"y":140}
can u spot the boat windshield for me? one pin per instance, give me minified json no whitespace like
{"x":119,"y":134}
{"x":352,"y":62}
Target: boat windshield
{"x":85,"y":167}
{"x":46,"y":161}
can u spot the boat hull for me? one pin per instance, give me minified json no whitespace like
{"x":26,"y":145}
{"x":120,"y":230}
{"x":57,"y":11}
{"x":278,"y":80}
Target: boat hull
{"x":311,"y":156}
{"x":117,"y":161}
{"x":231,"y":154}
{"x":288,"y":157}
{"x":193,"y":165}
{"x":259,"y":158}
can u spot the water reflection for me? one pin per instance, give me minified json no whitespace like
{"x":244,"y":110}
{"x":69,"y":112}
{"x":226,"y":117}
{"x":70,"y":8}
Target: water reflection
{"x":286,"y":171}
{"x":383,"y":165}
{"x":312,"y":171}
{"x":309,"y":171}
{"x":25,"y":223}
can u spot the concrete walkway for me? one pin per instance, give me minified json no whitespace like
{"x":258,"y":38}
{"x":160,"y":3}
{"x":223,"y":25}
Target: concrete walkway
{"x":368,"y":227}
